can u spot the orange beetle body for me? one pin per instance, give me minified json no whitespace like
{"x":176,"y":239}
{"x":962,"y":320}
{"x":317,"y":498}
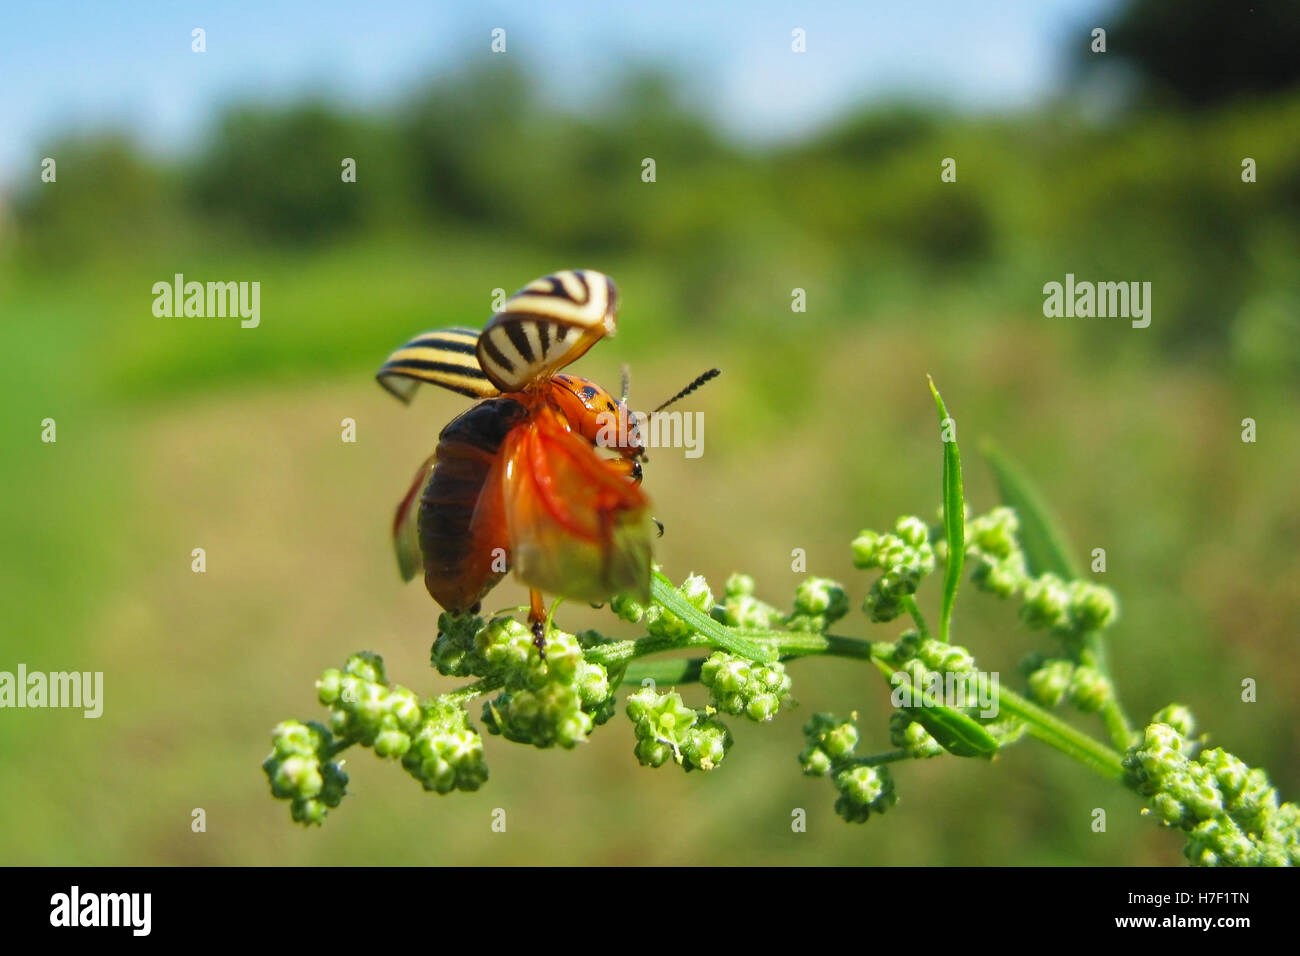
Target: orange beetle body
{"x":516,"y":481}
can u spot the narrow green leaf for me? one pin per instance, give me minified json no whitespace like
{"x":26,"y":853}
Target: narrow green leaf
{"x":663,"y":591}
{"x":1041,"y":535}
{"x":954,"y":512}
{"x":955,"y":732}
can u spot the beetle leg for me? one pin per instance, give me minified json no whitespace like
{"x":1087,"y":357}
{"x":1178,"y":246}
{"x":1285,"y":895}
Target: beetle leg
{"x":537,"y":620}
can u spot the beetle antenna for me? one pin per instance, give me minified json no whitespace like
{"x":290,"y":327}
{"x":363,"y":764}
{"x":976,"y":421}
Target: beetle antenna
{"x":627,"y":380}
{"x":706,"y":377}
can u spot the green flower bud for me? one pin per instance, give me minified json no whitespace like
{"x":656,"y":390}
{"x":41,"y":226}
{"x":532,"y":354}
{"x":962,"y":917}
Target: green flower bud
{"x":999,"y":576}
{"x":738,"y":585}
{"x":505,"y":644}
{"x":1048,"y":684}
{"x":446,"y":753}
{"x":544,"y":717}
{"x":455,"y":652}
{"x":697,"y":593}
{"x":308,"y":812}
{"x":594,"y":692}
{"x":335,"y":784}
{"x":652,"y":753}
{"x":368,"y":666}
{"x":994,"y":534}
{"x":946,"y":657}
{"x":705,"y":744}
{"x":913,"y":531}
{"x":864,"y":790}
{"x":391,"y":742}
{"x":665,"y":726}
{"x":738,"y":686}
{"x":1092,"y":606}
{"x":1047,"y":603}
{"x":627,"y":608}
{"x":864,"y":549}
{"x":293,"y":737}
{"x":882,"y":604}
{"x":1089,"y":689}
{"x":911,"y":736}
{"x":815,"y":762}
{"x":329,"y":685}
{"x":818,"y":603}
{"x":1179,"y":718}
{"x":745,"y":611}
{"x":907,"y":647}
{"x":299,"y":776}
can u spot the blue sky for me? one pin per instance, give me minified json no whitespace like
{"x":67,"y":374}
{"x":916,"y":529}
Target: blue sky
{"x":118,"y":63}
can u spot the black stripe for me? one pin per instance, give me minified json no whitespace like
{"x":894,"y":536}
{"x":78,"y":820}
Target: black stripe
{"x":560,"y":292}
{"x":487,"y":345}
{"x":561,"y":333}
{"x":515,"y":330}
{"x":429,"y":365}
{"x":544,"y":334}
{"x":448,"y":344}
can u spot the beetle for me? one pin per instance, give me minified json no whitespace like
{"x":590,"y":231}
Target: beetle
{"x":516,"y":482}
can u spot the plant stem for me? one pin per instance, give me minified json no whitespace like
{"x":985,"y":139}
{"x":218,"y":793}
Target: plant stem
{"x":467,"y":693}
{"x":1056,"y":733}
{"x":909,"y":602}
{"x":1093,"y":653}
{"x":336,"y":748}
{"x":875,"y":760}
{"x":678,"y":670}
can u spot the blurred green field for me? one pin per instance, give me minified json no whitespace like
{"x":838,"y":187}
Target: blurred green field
{"x":182,"y":433}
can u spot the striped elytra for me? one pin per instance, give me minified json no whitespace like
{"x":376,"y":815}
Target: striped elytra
{"x":546,"y":325}
{"x":446,"y":357}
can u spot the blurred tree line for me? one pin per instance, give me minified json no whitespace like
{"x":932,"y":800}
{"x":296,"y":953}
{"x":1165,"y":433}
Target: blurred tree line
{"x":1154,"y":192}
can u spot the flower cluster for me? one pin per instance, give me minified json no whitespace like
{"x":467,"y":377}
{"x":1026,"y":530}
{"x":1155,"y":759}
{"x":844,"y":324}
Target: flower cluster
{"x":661,"y":622}
{"x":446,"y":752}
{"x":998,"y":565}
{"x":996,"y":560}
{"x":455,"y":652}
{"x":301,"y":771}
{"x":741,"y":609}
{"x":907,"y":734}
{"x":546,"y":703}
{"x":665,"y":727}
{"x":818,"y":603}
{"x":862,"y":789}
{"x":1067,"y":607}
{"x":741,"y":687}
{"x":903,"y":558}
{"x":1229,"y":811}
{"x":364,"y":709}
{"x":1048,"y":678}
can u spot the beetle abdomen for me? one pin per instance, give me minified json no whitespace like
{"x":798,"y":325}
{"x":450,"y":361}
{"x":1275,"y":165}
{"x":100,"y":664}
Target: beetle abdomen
{"x":460,"y":522}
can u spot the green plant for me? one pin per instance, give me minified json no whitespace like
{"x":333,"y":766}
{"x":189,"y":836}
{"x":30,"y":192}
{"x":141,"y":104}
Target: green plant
{"x":944,"y":702}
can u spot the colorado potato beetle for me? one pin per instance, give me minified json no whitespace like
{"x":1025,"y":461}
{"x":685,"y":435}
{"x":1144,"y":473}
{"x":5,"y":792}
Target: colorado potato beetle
{"x":515,"y":482}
